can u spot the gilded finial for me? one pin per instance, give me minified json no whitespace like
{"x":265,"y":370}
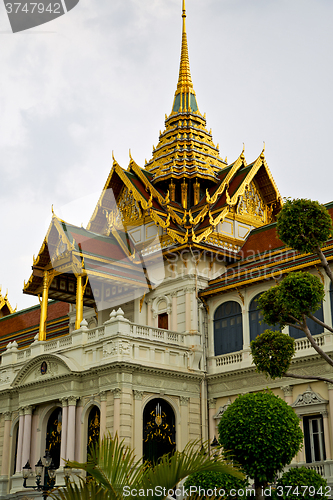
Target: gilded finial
{"x":262,"y":155}
{"x":52,"y":209}
{"x":130,"y":155}
{"x":185,"y":80}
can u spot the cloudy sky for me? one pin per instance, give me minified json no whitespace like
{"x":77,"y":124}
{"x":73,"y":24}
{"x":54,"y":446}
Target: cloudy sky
{"x":102,"y":77}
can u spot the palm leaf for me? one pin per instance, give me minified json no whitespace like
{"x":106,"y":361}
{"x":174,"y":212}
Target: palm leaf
{"x":81,"y":491}
{"x":170,"y":470}
{"x":113,"y":465}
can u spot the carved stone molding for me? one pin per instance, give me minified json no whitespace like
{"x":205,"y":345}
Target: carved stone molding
{"x":308,"y":402}
{"x":8,"y":415}
{"x":138,"y":395}
{"x":27,"y":410}
{"x":212,"y":403}
{"x":72,"y":400}
{"x":222,"y":409}
{"x":287,"y":390}
{"x":184,"y":400}
{"x":102,"y":396}
{"x":116,"y":393}
{"x":329,"y":385}
{"x":64,"y":402}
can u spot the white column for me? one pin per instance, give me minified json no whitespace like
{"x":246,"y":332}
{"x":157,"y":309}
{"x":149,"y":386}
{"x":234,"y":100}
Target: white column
{"x":150,"y":313}
{"x":6,"y":441}
{"x":187,"y":309}
{"x":26,"y":435}
{"x":330,"y":408}
{"x":212,"y":423}
{"x":174,"y":312}
{"x":138,"y":431}
{"x":63,"y":446}
{"x":78,"y":434}
{"x":70,"y":445}
{"x":327,"y":436}
{"x":102,"y":429}
{"x":20,"y":441}
{"x":116,"y":411}
{"x":301,"y":454}
{"x":183,"y":421}
{"x":246,"y":327}
{"x":288,"y":394}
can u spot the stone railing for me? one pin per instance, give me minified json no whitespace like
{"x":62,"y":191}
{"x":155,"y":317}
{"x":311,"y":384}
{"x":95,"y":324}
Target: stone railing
{"x":324,"y":468}
{"x":243,"y":359}
{"x":116,"y":340}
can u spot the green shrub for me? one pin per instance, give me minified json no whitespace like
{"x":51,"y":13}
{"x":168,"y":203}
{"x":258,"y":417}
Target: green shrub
{"x":218,"y":480}
{"x":305,"y":483}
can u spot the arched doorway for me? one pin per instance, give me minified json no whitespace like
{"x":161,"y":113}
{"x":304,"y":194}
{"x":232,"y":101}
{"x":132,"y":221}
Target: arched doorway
{"x":159,"y":431}
{"x":53,"y":436}
{"x":94,"y":419}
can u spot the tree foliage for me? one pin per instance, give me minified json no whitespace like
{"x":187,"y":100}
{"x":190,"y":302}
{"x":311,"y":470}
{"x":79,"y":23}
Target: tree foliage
{"x":304,"y":225}
{"x":261,"y":433}
{"x":272,"y":353}
{"x":298,"y":293}
{"x":299,"y":479}
{"x":112,"y":466}
{"x":211,"y":480}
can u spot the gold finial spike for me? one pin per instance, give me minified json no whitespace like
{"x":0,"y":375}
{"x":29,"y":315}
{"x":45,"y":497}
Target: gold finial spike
{"x":264,"y":146}
{"x":52,"y":209}
{"x":262,"y":155}
{"x":130,"y":154}
{"x":113,"y":158}
{"x":185,"y":80}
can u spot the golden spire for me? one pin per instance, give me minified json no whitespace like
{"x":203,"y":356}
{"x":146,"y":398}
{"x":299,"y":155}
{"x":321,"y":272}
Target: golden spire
{"x":185,"y":80}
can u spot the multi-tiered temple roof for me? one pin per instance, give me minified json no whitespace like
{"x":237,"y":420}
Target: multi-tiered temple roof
{"x":185,"y":197}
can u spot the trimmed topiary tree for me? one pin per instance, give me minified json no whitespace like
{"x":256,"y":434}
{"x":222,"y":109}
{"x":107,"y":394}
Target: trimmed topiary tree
{"x":300,"y":482}
{"x":261,"y":433}
{"x":211,"y":480}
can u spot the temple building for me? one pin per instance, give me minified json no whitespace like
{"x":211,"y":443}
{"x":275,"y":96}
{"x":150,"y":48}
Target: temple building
{"x":146,"y":315}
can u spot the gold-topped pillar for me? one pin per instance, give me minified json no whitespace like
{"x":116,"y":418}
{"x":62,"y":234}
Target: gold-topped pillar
{"x":184,"y":194}
{"x":43,"y":307}
{"x":79,"y":302}
{"x":196,"y":189}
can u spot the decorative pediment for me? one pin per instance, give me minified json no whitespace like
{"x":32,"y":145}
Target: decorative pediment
{"x":309,"y":402}
{"x":41,"y":369}
{"x":222,"y":410}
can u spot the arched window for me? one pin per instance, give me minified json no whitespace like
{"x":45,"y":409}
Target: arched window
{"x":94,"y":419}
{"x":257,"y":324}
{"x":53,"y":436}
{"x":314,"y":328}
{"x":159,"y":430}
{"x":228,"y":328}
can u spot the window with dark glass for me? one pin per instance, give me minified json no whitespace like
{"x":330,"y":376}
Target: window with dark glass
{"x":257,"y":324}
{"x":228,"y":328}
{"x":314,"y":439}
{"x":314,"y":328}
{"x":163,"y":321}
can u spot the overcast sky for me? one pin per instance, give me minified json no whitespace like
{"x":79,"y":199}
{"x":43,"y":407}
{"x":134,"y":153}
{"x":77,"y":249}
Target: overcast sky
{"x":102,"y":77}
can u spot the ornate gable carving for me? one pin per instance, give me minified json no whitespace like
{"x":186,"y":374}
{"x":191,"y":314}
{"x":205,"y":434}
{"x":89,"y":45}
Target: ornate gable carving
{"x":128,"y":207}
{"x":309,"y":402}
{"x":251,"y":204}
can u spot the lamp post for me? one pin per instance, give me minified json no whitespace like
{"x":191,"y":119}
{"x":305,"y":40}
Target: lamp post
{"x":49,"y":469}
